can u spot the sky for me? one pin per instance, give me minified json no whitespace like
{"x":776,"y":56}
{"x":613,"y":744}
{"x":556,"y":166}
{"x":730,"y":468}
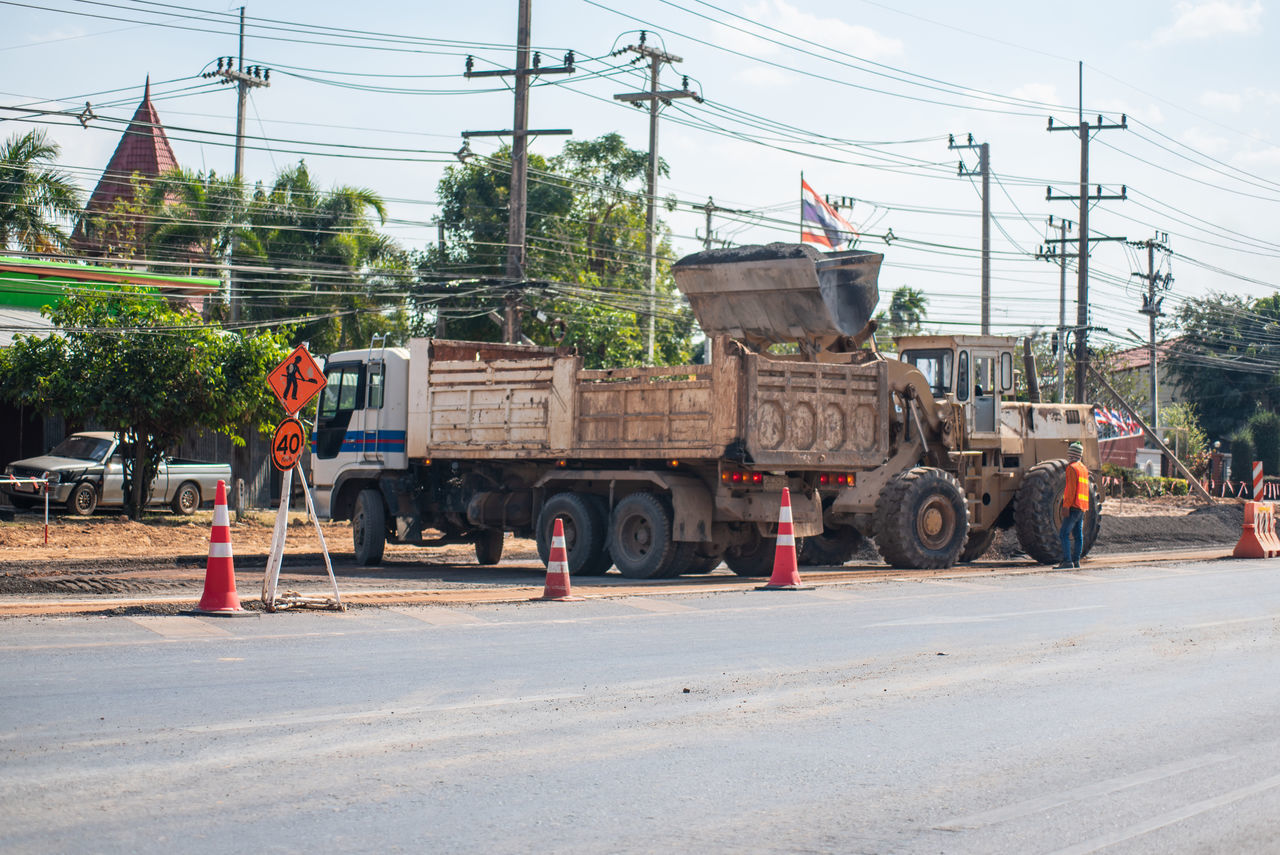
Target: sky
{"x":858,"y":96}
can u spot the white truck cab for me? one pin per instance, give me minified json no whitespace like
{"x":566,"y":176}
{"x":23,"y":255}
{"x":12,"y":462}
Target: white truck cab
{"x":360,"y":425}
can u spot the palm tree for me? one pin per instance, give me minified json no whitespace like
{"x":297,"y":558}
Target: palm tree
{"x":198,"y":217}
{"x":329,"y":253}
{"x":34,"y":195}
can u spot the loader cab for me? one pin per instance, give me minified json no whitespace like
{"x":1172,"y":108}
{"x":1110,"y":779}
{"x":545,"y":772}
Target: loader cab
{"x":975,"y":370}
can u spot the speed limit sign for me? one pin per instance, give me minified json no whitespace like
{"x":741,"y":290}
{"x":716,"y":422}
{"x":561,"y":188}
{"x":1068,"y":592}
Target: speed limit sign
{"x":287,"y":444}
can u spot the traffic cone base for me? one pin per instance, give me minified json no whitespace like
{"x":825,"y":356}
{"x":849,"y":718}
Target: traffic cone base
{"x":557,"y":587}
{"x":220,"y":598}
{"x":786,"y":566}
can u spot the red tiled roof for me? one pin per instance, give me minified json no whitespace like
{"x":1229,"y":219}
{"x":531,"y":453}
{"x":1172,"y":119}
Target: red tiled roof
{"x":144,"y":148}
{"x":1138,"y":357}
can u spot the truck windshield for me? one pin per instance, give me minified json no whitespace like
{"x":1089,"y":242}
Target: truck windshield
{"x":935,"y":365}
{"x":83,"y":448}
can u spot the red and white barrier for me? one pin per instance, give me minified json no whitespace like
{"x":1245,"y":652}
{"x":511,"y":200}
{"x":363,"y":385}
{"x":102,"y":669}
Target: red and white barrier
{"x":42,"y":486}
{"x":1258,"y":538}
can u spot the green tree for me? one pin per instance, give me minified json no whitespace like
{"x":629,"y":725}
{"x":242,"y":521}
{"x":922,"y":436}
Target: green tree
{"x":197,"y":217}
{"x":129,"y":361}
{"x":1264,"y":429}
{"x":1226,"y":358}
{"x":35,"y":196}
{"x":585,"y":242}
{"x":326,"y":261}
{"x":905,"y":315}
{"x":1181,"y":422}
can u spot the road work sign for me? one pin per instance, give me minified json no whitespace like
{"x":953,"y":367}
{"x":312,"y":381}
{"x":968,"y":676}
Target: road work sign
{"x":287,"y":444}
{"x":296,"y":380}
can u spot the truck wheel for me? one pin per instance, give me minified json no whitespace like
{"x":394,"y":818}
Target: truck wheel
{"x":832,"y":548}
{"x":922,"y":520}
{"x":640,"y":538}
{"x":754,"y":558}
{"x":83,"y":500}
{"x":369,"y":528}
{"x":977,"y":544}
{"x":1037,"y":512}
{"x":186,"y":500}
{"x":489,"y":546}
{"x":585,"y":532}
{"x":704,"y":563}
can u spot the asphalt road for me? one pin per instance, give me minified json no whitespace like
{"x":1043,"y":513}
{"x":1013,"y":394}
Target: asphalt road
{"x":1125,"y":710}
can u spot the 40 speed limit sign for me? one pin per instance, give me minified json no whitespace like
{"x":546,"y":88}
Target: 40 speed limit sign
{"x":287,"y":444}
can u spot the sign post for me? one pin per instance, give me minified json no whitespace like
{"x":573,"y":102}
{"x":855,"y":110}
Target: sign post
{"x":295,"y":382}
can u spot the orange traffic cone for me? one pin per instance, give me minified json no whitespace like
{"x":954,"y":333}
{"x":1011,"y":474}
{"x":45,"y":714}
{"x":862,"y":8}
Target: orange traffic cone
{"x":219,"y":597}
{"x":786,"y":569}
{"x":557,"y":587}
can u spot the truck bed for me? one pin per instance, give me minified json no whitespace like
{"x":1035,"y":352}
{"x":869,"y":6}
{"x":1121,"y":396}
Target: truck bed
{"x":512,"y":403}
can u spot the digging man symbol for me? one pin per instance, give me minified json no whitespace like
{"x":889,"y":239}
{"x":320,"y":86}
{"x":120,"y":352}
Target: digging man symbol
{"x":292,"y":374}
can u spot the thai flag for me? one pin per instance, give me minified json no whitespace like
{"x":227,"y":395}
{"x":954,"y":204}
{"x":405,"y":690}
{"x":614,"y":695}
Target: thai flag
{"x":1100,"y":416}
{"x":819,"y":222}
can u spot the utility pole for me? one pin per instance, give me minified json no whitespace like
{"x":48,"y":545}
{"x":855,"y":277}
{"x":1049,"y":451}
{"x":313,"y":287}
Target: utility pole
{"x":984,"y":169}
{"x":710,"y":208}
{"x":1063,"y":226}
{"x":655,"y":97}
{"x":245,"y":79}
{"x":1085,"y":129}
{"x":1151,"y":308}
{"x":525,"y":70}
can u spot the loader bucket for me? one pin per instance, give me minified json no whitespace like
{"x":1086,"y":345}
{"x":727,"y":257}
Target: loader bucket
{"x":781,"y":292}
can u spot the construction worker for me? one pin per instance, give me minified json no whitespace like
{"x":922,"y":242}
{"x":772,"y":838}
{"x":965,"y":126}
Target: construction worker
{"x":1075,"y":504}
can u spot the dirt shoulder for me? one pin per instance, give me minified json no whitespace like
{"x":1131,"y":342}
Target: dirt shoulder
{"x":165,"y":556}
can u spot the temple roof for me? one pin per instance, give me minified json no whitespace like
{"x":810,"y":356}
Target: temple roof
{"x":144,"y":148}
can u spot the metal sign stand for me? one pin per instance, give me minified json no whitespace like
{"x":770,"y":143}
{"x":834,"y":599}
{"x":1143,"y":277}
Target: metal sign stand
{"x":272,"y":600}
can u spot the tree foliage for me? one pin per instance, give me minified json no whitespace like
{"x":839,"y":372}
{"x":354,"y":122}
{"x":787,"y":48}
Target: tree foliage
{"x":132,"y":363}
{"x":1226,"y":360}
{"x":586,"y":252}
{"x":35,"y":196}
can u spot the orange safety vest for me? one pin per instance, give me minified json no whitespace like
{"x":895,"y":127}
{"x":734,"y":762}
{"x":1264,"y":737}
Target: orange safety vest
{"x":1076,"y":494}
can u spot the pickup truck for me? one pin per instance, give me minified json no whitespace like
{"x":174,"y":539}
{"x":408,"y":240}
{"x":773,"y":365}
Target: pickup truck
{"x":86,"y":472}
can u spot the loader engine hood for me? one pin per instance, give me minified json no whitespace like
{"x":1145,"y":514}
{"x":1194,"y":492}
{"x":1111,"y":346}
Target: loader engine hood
{"x":780,"y":292}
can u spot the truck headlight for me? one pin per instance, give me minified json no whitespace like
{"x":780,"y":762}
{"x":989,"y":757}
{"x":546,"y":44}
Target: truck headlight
{"x":52,"y":477}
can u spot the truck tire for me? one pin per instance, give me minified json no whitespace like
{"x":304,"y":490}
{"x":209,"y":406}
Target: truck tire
{"x":586,"y":532}
{"x":754,"y":558}
{"x":704,"y":563}
{"x":640,"y":538}
{"x":186,"y":500}
{"x":834,"y":547}
{"x":922,"y":520}
{"x":83,"y":500}
{"x":369,"y":528}
{"x":489,"y":546}
{"x":977,"y":544}
{"x":1037,"y":512}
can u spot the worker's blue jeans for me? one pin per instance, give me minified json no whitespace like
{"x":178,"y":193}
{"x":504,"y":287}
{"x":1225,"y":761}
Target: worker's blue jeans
{"x":1072,"y":527}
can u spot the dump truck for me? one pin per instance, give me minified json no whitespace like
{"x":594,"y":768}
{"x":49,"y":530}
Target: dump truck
{"x":666,"y":470}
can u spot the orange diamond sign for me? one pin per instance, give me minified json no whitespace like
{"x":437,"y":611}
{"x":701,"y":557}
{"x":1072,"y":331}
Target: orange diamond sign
{"x":296,"y":380}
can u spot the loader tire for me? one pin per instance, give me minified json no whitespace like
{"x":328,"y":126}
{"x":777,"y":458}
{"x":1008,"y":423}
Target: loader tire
{"x":754,"y":558}
{"x":977,"y":544}
{"x":922,"y":520}
{"x":1037,"y":512}
{"x":833,"y":548}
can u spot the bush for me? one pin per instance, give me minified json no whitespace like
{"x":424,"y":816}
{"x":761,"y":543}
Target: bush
{"x":1153,"y":487}
{"x":1264,"y":427}
{"x":1242,"y":452}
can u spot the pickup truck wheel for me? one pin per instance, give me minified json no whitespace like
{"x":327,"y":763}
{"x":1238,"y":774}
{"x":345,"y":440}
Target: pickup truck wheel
{"x":832,"y":548}
{"x":640,"y":538}
{"x":977,"y":544}
{"x":83,"y":500}
{"x":489,"y":546}
{"x":369,"y":528}
{"x":1037,"y":512}
{"x":922,"y":520}
{"x":754,"y":558}
{"x":186,"y":500}
{"x":585,"y":532}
